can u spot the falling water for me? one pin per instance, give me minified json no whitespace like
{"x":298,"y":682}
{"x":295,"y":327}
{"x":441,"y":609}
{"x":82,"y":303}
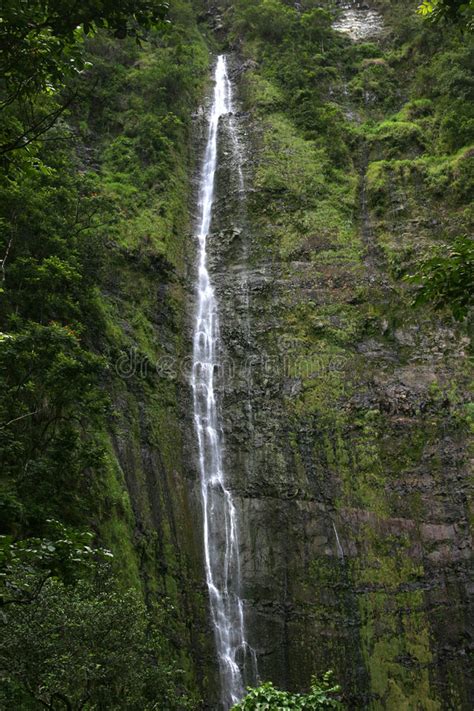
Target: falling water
{"x":358,"y":21}
{"x":340,"y":550}
{"x":221,"y":544}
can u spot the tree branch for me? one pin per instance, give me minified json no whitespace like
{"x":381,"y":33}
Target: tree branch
{"x":38,"y":129}
{"x":29,"y":597}
{"x":3,"y":261}
{"x":15,"y":419}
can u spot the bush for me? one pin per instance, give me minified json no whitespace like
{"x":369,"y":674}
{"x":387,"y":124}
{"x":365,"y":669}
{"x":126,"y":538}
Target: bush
{"x":84,"y":644}
{"x":270,"y":20}
{"x":323,"y":695}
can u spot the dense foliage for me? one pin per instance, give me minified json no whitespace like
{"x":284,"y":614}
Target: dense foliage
{"x":451,"y":11}
{"x":26,"y":565}
{"x":100,"y":181}
{"x":43,"y":46}
{"x":323,"y":695}
{"x":96,"y":102}
{"x":448,"y":278}
{"x":71,"y":638}
{"x":421,"y":135}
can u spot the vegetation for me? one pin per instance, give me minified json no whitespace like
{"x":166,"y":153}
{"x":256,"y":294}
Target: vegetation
{"x":364,"y":163}
{"x":71,"y":638}
{"x":323,"y":695}
{"x":43,"y":47}
{"x":363,"y":170}
{"x":447,"y":279}
{"x":96,"y":102}
{"x":450,"y":11}
{"x":99,"y":182}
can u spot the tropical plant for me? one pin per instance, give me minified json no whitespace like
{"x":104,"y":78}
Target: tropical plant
{"x":322,"y":695}
{"x":453,"y":11}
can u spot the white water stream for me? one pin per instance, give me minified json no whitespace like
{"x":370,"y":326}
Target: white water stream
{"x":221,"y":538}
{"x":358,"y":21}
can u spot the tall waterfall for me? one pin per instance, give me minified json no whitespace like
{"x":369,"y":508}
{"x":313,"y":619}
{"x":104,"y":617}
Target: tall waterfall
{"x":221,"y":543}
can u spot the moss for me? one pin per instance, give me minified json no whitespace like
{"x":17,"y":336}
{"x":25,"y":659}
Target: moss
{"x":416,"y":109}
{"x":144,"y":170}
{"x":116,"y":521}
{"x":397,"y":139}
{"x":261,"y":94}
{"x":365,"y":442}
{"x":290,"y":165}
{"x":395,"y":629}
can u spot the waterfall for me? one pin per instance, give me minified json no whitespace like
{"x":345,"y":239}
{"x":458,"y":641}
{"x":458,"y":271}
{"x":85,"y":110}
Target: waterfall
{"x":221,"y":542}
{"x":358,"y":21}
{"x":340,"y":549}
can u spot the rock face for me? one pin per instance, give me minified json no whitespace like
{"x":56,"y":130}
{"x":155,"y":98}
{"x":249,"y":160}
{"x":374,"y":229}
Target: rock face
{"x":345,"y":443}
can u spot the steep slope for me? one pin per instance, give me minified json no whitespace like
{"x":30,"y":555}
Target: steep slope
{"x":346,"y":409}
{"x":97,"y":221}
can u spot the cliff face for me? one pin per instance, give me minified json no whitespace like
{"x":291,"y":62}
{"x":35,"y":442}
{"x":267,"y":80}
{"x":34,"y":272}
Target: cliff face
{"x":149,"y":504}
{"x":96,"y":221}
{"x":345,"y":408}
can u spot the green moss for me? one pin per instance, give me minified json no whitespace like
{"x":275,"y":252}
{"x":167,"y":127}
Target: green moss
{"x":395,"y":628}
{"x":115,"y":527}
{"x":397,"y":138}
{"x":261,"y":94}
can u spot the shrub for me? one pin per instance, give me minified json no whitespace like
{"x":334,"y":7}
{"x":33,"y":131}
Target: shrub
{"x":323,"y":695}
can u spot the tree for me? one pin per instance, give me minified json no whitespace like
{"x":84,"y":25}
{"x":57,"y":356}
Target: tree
{"x":50,"y":411}
{"x":84,"y":645}
{"x":268,"y":19}
{"x":459,"y":12}
{"x":42,"y":43}
{"x":40,"y":40}
{"x":323,"y":695}
{"x":26,"y":565}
